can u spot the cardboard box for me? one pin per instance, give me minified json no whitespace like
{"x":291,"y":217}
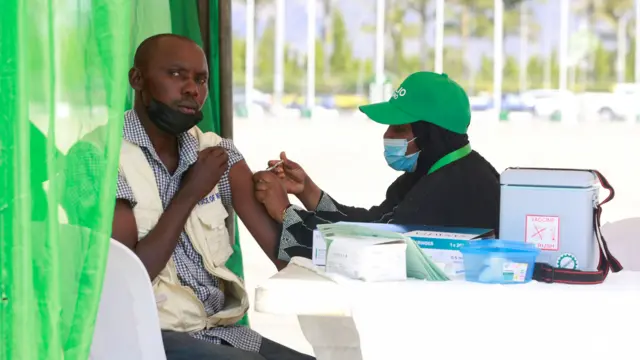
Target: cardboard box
{"x":368,"y":259}
{"x":441,"y":244}
{"x":319,"y":255}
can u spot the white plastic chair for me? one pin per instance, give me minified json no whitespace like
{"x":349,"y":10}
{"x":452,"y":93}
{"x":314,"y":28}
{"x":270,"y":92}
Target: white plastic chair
{"x":623,"y":238}
{"x":127,"y":327}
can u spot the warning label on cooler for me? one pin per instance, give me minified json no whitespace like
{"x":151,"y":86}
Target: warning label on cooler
{"x":544,"y":231}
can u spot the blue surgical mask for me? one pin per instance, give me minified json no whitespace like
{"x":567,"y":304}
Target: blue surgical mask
{"x":395,"y":153}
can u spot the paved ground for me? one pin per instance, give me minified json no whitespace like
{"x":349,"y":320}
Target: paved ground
{"x":344,"y":156}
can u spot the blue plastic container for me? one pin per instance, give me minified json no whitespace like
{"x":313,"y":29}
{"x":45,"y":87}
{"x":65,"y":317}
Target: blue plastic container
{"x":499,"y":261}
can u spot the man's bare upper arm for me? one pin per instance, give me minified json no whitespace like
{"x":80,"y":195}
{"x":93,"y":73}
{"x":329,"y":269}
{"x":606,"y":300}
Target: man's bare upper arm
{"x":253,"y":214}
{"x":124,"y":227}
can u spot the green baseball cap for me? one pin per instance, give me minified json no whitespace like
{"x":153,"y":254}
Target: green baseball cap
{"x":425,"y":96}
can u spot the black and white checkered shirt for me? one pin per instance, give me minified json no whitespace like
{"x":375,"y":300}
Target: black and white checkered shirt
{"x":188,"y":262}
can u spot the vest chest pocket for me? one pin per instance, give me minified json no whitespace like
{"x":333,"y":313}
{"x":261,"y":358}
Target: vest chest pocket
{"x":215,"y":243}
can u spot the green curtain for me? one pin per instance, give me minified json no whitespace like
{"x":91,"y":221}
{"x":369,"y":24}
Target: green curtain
{"x":63,"y":69}
{"x":149,"y":17}
{"x":184,"y":21}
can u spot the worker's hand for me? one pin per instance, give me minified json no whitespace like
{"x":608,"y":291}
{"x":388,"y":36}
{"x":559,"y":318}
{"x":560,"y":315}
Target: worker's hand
{"x":205,"y":173}
{"x":293,"y":177}
{"x":270,"y":191}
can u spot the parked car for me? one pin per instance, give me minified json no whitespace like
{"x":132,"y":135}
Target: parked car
{"x":260,"y":99}
{"x":511,"y":102}
{"x":546,"y":102}
{"x":620,"y":104}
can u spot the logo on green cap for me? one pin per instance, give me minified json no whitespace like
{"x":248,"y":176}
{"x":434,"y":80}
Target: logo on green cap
{"x":399,"y":93}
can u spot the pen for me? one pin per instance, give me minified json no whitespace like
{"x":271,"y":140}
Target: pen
{"x":275,"y":165}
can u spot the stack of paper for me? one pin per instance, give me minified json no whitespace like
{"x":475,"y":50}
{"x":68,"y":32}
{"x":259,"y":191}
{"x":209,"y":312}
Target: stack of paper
{"x":419,"y":266}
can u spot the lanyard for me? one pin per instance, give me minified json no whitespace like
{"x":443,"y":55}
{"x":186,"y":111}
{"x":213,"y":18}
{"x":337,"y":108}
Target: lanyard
{"x":451,"y":157}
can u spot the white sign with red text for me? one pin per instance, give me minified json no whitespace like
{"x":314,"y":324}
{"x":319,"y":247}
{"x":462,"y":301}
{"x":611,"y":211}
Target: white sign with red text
{"x":544,"y":231}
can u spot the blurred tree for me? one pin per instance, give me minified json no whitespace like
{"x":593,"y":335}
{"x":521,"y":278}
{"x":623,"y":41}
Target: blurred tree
{"x":555,"y":69}
{"x":341,"y":58}
{"x":294,"y":71}
{"x":351,"y":75}
{"x":475,"y":18}
{"x":260,"y":14}
{"x":513,"y":19}
{"x":631,"y":61}
{"x":510,"y":73}
{"x":417,"y":62}
{"x":529,"y":33}
{"x":326,"y":34}
{"x":425,"y":15}
{"x":603,"y":66}
{"x":511,"y":4}
{"x":590,"y":11}
{"x":239,"y":52}
{"x":320,"y":79}
{"x":611,"y":11}
{"x":485,"y":75}
{"x":294,"y":66}
{"x":453,"y":58}
{"x":264,"y":58}
{"x":472,"y":22}
{"x":397,"y":30}
{"x":535,"y":70}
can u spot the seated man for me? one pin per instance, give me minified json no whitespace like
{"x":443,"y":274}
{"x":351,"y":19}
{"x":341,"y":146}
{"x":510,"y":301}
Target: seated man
{"x":172,"y":185}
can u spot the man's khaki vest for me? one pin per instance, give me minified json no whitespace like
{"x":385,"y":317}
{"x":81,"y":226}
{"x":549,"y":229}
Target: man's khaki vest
{"x":178,"y":307}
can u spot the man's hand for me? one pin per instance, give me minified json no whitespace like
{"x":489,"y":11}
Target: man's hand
{"x":205,"y":173}
{"x":271,"y":193}
{"x":293,"y":177}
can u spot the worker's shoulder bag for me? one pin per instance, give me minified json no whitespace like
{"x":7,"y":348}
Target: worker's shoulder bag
{"x":546,"y":273}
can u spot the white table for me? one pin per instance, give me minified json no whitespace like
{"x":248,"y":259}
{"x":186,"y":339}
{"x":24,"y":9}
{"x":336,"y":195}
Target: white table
{"x":352,"y":320}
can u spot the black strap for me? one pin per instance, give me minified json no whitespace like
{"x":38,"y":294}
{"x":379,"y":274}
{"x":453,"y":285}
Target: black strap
{"x":549,"y":274}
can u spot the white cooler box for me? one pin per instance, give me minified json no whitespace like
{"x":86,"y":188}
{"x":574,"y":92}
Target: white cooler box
{"x":553,"y":209}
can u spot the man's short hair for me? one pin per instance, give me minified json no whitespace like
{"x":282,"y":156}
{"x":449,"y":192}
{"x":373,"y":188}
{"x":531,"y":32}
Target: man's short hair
{"x":147,"y":47}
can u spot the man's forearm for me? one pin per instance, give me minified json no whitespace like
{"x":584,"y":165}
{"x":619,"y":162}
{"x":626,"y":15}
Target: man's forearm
{"x":155,"y":249}
{"x":310,"y":197}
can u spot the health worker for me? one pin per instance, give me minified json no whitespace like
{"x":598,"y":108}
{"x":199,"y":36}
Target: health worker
{"x":444,"y":182}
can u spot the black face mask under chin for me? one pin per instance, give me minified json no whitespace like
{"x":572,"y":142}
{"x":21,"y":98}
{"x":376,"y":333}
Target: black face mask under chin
{"x":170,"y":120}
